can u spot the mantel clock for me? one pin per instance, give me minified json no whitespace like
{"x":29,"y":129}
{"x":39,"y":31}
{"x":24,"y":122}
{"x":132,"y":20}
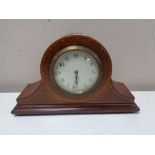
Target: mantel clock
{"x":75,"y":79}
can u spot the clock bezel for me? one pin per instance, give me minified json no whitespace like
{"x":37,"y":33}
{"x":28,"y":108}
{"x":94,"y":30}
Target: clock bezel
{"x":68,"y":49}
{"x":80,"y":40}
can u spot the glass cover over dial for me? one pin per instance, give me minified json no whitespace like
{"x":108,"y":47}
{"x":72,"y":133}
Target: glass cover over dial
{"x":76,"y":69}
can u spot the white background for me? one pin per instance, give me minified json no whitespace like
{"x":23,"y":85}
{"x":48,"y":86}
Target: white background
{"x":77,"y":144}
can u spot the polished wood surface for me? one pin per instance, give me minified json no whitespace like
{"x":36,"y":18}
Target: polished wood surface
{"x":43,"y":97}
{"x":81,"y":40}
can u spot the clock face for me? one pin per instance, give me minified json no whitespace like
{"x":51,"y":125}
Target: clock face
{"x":75,"y":69}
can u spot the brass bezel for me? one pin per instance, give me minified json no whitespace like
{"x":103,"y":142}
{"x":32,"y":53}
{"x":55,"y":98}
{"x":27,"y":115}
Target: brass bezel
{"x":68,"y":49}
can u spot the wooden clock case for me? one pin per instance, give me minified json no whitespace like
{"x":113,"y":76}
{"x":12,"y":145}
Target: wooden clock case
{"x":43,"y":97}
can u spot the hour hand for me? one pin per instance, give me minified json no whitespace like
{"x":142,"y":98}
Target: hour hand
{"x":76,"y":77}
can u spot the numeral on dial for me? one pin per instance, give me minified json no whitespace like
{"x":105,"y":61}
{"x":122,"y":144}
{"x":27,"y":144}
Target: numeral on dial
{"x":93,"y":71}
{"x":62,"y":80}
{"x":57,"y":72}
{"x":85,"y":58}
{"x":62,"y":64}
{"x":91,"y":64}
{"x":76,"y":55}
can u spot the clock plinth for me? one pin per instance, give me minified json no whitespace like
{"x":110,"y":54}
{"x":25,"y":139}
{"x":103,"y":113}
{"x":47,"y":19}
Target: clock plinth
{"x":37,"y":100}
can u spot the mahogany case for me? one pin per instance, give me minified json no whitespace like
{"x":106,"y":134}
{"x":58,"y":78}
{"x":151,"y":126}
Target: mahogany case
{"x":43,"y":98}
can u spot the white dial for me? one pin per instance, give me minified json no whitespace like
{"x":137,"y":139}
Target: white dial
{"x":76,"y":70}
